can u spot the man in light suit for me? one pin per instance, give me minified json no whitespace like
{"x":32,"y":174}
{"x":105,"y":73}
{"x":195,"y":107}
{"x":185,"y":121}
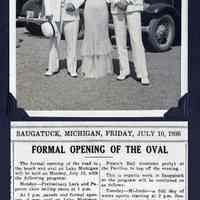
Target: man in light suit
{"x":64,"y":15}
{"x":128,"y":12}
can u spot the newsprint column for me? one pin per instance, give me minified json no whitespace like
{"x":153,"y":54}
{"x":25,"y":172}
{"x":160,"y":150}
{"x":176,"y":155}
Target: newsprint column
{"x":99,"y":161}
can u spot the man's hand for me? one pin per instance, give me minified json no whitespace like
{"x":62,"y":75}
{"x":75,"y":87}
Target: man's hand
{"x":49,"y":17}
{"x":122,"y":4}
{"x":70,"y":7}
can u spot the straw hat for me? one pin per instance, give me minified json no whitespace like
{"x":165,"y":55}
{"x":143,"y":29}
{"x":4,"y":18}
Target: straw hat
{"x":48,"y":29}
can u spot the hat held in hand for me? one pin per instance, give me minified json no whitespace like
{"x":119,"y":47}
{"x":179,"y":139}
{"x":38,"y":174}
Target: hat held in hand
{"x":48,"y":29}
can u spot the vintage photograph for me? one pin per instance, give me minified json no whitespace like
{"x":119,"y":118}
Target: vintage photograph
{"x":99,"y":55}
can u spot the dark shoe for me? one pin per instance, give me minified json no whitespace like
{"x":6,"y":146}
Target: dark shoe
{"x":138,"y":79}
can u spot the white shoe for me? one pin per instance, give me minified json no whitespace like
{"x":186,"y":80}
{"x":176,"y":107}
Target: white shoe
{"x":145,"y":81}
{"x":50,"y":73}
{"x":73,"y":75}
{"x":122,"y":76}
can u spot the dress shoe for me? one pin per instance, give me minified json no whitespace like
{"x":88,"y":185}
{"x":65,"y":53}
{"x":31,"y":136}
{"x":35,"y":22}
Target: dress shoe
{"x":138,"y":79}
{"x":145,"y":81}
{"x":73,"y":75}
{"x":122,"y":77}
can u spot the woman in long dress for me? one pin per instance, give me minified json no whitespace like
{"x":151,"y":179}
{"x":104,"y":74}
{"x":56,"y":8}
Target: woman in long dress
{"x":96,"y":47}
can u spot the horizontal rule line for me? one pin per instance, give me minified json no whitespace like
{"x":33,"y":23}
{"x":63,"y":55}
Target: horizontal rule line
{"x":109,"y":126}
{"x":106,"y":141}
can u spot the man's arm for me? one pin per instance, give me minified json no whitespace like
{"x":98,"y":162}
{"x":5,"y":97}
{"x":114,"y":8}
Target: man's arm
{"x":122,"y":4}
{"x":52,"y":8}
{"x":77,"y":3}
{"x":112,"y":1}
{"x":134,"y":1}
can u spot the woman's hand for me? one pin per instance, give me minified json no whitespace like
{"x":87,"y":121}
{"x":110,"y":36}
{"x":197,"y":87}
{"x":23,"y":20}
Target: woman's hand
{"x":122,"y":4}
{"x":70,"y":7}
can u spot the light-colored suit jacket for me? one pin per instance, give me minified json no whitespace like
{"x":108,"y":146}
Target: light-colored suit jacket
{"x":133,"y":6}
{"x":57,"y":9}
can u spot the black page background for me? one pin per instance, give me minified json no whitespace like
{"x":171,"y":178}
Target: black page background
{"x":192,"y":110}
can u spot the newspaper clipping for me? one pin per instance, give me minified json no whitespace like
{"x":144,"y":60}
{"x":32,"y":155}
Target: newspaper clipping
{"x":99,"y":160}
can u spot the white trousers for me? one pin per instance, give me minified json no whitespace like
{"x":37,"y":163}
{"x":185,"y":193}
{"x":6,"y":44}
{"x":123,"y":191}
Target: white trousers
{"x":133,"y":22}
{"x":70,"y":29}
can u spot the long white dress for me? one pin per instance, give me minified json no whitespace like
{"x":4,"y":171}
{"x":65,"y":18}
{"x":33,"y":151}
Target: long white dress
{"x":96,"y":47}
